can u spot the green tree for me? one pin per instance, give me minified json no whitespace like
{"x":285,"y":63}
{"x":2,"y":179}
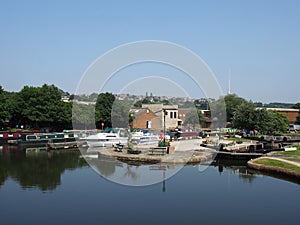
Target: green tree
{"x":4,"y":108}
{"x":103,"y":109}
{"x":218,"y":113}
{"x":269,"y":122}
{"x":244,"y":116}
{"x":232,"y":101}
{"x":40,"y":107}
{"x":194,"y":117}
{"x":120,"y":114}
{"x":298,"y":120}
{"x":83,"y":116}
{"x":278,"y":122}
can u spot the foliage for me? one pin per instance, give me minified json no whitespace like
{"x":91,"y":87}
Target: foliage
{"x":277,"y":122}
{"x":39,"y":107}
{"x":278,"y":105}
{"x":218,"y":113}
{"x":270,"y":122}
{"x":4,"y":111}
{"x":85,"y":98}
{"x":298,"y":120}
{"x":103,"y":109}
{"x":83,"y":116}
{"x":164,"y":143}
{"x":194,"y":118}
{"x":202,"y":104}
{"x":244,"y":116}
{"x":232,"y":101}
{"x":120,"y":116}
{"x":296,"y":106}
{"x":151,"y":100}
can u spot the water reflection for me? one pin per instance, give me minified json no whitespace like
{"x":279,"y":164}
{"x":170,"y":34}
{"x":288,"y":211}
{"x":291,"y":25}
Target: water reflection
{"x":238,"y":167}
{"x":39,"y":169}
{"x":130,"y":173}
{"x":246,"y":174}
{"x":43,"y":170}
{"x":137,"y":174}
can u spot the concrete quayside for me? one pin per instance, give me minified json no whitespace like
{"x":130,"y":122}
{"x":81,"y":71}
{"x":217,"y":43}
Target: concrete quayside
{"x":184,"y":152}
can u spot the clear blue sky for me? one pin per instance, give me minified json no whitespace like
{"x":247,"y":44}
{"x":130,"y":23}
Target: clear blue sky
{"x":55,"y":41}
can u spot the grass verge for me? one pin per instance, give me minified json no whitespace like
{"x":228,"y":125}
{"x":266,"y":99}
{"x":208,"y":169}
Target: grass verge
{"x":273,"y":162}
{"x":297,"y":152}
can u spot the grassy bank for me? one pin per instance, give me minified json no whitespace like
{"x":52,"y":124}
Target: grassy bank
{"x":295,"y":153}
{"x":276,"y":163}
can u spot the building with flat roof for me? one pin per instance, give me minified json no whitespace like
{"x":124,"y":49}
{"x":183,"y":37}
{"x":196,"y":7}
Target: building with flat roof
{"x":291,"y":114}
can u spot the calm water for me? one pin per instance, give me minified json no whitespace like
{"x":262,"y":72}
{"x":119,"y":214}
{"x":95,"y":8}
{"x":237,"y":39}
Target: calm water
{"x":52,"y":188}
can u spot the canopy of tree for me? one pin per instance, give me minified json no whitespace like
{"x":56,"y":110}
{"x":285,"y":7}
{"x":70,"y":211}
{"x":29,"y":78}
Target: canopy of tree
{"x":42,"y":107}
{"x":194,"y":118}
{"x":36,"y":107}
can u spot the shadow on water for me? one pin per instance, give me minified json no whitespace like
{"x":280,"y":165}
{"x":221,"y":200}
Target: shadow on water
{"x":39,"y":169}
{"x":240,"y":167}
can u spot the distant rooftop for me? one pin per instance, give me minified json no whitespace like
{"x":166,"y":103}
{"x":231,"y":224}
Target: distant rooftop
{"x":280,"y":109}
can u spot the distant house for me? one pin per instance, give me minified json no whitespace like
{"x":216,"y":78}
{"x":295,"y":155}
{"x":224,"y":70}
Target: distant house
{"x":291,"y":114}
{"x":145,"y":119}
{"x":65,"y":98}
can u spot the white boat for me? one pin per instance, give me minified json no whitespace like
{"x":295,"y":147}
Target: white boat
{"x":144,"y":138}
{"x":108,"y":138}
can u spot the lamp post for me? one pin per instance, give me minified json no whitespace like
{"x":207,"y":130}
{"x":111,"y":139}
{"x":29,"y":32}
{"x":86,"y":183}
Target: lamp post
{"x":164,"y":111}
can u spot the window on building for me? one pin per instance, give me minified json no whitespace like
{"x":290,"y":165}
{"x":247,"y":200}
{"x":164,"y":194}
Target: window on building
{"x":175,"y":115}
{"x":171,"y":115}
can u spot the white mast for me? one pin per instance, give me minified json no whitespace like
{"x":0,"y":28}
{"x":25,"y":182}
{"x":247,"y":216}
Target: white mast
{"x":229,"y":81}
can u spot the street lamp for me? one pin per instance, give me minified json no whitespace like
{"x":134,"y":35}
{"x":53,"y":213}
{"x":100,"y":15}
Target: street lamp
{"x":165,"y":113}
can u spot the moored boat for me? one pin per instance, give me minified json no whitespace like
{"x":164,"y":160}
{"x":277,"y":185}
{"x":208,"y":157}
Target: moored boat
{"x":108,"y":138}
{"x":46,"y":140}
{"x":144,"y":138}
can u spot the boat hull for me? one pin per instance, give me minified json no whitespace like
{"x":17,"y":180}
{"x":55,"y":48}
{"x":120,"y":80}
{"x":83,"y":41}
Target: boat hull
{"x":106,"y":143}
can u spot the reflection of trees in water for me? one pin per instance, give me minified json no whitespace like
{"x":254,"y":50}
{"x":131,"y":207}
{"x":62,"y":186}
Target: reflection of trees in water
{"x":3,"y":172}
{"x":38,"y":170}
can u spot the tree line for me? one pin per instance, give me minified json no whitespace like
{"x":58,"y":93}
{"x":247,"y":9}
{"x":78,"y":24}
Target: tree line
{"x":42,"y":107}
{"x":35,"y":108}
{"x":243,"y":114}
